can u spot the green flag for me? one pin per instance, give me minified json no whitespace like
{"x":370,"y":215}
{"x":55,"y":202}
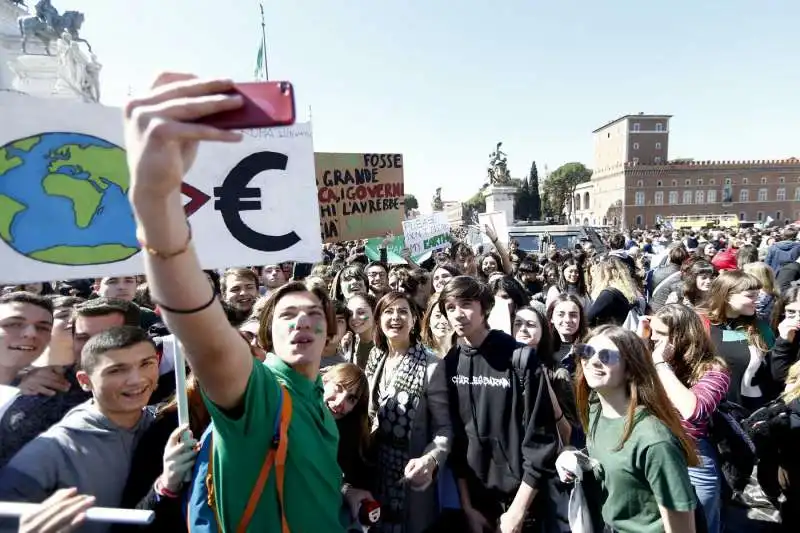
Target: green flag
{"x":260,"y":61}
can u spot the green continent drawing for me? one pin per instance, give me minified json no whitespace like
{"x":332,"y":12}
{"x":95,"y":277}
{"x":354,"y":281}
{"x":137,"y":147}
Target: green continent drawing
{"x":102,"y":164}
{"x":84,"y":255}
{"x":84,"y":196}
{"x":8,"y":210}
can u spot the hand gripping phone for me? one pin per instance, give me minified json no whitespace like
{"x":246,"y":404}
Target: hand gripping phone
{"x":266,"y":105}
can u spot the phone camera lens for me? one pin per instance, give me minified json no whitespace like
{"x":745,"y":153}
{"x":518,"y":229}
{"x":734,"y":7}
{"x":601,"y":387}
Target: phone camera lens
{"x":285,"y":87}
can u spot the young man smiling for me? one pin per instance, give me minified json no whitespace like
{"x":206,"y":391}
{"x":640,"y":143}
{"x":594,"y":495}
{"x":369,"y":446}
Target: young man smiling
{"x":241,"y":394}
{"x":505,"y":437}
{"x":91,"y":447}
{"x":26,"y":321}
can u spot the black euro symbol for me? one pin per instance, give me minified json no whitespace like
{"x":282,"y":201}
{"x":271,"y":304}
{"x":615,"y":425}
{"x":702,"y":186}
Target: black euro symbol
{"x":234,"y":196}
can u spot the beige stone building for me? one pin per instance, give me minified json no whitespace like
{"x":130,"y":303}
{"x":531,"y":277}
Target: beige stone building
{"x":634,"y":181}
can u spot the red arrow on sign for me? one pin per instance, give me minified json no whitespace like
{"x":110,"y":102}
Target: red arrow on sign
{"x":197,"y":198}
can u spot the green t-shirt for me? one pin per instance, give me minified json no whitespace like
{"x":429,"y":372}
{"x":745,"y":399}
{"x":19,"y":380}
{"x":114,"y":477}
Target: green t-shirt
{"x":649,"y":470}
{"x":313,"y":480}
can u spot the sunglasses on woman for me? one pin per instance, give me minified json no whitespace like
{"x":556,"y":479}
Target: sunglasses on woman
{"x":586,"y":352}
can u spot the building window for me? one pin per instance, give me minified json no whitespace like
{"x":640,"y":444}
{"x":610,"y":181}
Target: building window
{"x":744,"y":195}
{"x":728,"y":181}
{"x":712,"y":181}
{"x":712,"y":196}
{"x":762,"y":195}
{"x":659,"y":198}
{"x":742,"y":216}
{"x":658,"y":160}
{"x":673,"y":197}
{"x":687,"y":197}
{"x":760,"y":216}
{"x":659,"y":127}
{"x":763,"y":181}
{"x":687,"y":182}
{"x":781,"y":180}
{"x":659,"y":183}
{"x":639,"y":198}
{"x":635,"y":160}
{"x":779,"y":215}
{"x":636,"y":126}
{"x":638,"y":220}
{"x":700,"y":181}
{"x":797,"y":193}
{"x":674,"y":183}
{"x":658,"y":146}
{"x":635,"y":146}
{"x":781,"y":194}
{"x":744,"y":181}
{"x":640,"y":183}
{"x":699,"y":197}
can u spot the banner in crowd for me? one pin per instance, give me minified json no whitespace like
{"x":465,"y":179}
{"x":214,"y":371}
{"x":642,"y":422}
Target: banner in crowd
{"x":426,"y":233}
{"x":497,"y":221}
{"x":360,"y":195}
{"x":394,"y":252}
{"x":64,"y":211}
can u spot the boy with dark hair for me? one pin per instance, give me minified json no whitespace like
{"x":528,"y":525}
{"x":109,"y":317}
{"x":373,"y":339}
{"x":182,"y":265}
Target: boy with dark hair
{"x":505,"y":444}
{"x":91,"y":447}
{"x":26,"y":320}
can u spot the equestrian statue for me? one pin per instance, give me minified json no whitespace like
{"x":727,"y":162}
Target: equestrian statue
{"x":48,"y":25}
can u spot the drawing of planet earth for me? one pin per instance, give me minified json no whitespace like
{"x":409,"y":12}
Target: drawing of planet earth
{"x":63,"y":200}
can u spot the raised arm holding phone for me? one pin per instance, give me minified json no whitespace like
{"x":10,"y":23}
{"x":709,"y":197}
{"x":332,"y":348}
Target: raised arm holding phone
{"x":163,"y":130}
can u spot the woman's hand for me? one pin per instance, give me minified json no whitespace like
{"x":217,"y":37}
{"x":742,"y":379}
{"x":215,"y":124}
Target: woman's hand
{"x":179,"y":456}
{"x":490,"y":232}
{"x":62,"y":512}
{"x":354,"y":497}
{"x":663,"y":352}
{"x":787,"y":328}
{"x":419,"y":472}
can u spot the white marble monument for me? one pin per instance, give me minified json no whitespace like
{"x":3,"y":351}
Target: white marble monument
{"x":70,"y":72}
{"x":500,"y":198}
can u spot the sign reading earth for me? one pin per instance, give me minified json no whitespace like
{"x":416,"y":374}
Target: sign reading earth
{"x":63,"y":200}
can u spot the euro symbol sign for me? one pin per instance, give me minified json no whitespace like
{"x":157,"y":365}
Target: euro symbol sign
{"x":234,"y":196}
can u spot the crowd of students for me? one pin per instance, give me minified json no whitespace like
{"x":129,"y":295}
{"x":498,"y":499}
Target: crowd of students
{"x":666,"y":365}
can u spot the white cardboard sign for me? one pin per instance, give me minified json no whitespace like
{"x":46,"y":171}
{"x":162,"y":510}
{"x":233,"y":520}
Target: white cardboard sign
{"x":496,"y":220}
{"x":426,"y":233}
{"x":64,"y":212}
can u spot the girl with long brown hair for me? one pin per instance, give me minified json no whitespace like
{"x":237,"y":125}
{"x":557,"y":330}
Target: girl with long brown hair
{"x":632,"y":429}
{"x":696,"y":381}
{"x":741,"y":338}
{"x":437,"y":333}
{"x":347,"y":396}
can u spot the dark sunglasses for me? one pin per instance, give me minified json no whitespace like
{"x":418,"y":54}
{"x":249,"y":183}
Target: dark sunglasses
{"x":586,"y":352}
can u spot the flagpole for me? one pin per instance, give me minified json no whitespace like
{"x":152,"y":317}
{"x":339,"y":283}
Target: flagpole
{"x":264,"y":41}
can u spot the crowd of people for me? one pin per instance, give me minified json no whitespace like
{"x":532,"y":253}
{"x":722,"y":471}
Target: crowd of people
{"x":656,"y":373}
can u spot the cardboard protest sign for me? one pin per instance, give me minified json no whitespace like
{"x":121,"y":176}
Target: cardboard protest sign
{"x":497,"y":221}
{"x":64,"y":211}
{"x":394,"y":252}
{"x":426,"y":233}
{"x":360,"y":195}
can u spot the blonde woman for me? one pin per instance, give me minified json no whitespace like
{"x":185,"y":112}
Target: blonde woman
{"x":768,"y":293}
{"x":614,"y":293}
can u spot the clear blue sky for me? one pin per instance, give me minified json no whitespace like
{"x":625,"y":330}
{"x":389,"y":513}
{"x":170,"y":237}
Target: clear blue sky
{"x":442,"y":82}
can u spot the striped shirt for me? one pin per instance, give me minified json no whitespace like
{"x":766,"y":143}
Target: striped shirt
{"x":710,"y":390}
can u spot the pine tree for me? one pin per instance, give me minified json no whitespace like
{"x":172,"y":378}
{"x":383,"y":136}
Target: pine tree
{"x":535,"y":201}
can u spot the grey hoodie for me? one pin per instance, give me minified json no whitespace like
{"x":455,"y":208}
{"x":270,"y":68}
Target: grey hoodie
{"x":84,"y":450}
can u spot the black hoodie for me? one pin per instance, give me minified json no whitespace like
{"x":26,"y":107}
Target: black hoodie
{"x":504,"y":426}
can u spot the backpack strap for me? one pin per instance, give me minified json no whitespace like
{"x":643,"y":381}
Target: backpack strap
{"x":276,"y":455}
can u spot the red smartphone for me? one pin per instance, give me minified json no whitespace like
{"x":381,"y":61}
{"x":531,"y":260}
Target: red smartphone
{"x":266,"y":104}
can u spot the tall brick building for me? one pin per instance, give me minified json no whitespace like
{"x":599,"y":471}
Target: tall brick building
{"x":634,"y":181}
